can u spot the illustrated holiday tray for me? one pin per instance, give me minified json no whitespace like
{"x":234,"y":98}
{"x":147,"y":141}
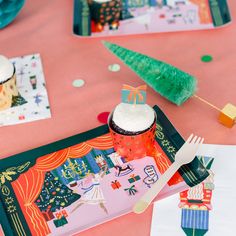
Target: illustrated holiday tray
{"x":79,"y":182}
{"x":121,"y":17}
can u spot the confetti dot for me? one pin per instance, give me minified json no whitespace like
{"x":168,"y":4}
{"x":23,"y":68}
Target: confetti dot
{"x":102,"y":117}
{"x":206,"y":58}
{"x":78,"y":83}
{"x":114,"y":67}
{"x":162,"y":16}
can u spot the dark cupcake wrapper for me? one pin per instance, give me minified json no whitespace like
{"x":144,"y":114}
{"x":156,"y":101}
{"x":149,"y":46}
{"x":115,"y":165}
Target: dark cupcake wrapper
{"x":119,"y":130}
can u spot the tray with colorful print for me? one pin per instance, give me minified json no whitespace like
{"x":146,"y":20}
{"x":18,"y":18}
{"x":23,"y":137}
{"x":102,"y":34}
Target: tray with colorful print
{"x":79,"y":182}
{"x":95,"y":18}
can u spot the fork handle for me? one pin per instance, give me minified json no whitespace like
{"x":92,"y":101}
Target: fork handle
{"x":149,"y":196}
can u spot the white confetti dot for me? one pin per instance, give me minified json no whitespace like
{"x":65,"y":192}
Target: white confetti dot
{"x":114,"y":67}
{"x":78,"y":83}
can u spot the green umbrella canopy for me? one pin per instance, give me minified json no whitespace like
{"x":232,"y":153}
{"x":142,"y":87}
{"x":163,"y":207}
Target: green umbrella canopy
{"x":172,"y":83}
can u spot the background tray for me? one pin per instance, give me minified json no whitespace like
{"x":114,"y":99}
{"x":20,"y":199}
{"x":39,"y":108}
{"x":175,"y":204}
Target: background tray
{"x":148,"y":16}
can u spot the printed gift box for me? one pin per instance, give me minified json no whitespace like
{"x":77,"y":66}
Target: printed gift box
{"x":48,"y":215}
{"x":60,"y":222}
{"x":133,"y":178}
{"x":115,"y":184}
{"x":60,"y":214}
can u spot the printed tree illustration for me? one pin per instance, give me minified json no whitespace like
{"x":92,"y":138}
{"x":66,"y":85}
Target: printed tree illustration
{"x":18,"y":101}
{"x":54,"y":194}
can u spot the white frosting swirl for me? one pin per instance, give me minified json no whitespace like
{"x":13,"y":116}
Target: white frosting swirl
{"x":133,"y":118}
{"x":6,"y":69}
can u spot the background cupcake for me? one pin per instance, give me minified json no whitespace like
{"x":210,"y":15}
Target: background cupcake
{"x":8,"y":88}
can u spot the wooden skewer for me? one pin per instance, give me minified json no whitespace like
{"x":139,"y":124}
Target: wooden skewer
{"x":227,"y":114}
{"x":208,"y":103}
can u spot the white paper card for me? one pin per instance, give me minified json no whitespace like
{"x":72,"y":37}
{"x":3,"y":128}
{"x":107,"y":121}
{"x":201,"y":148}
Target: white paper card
{"x":31,"y":86}
{"x":166,"y":218}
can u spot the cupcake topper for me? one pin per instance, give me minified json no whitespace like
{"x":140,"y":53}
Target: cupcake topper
{"x":132,"y":95}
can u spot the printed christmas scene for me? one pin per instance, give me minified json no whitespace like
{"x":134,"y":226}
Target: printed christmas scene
{"x":100,"y":182}
{"x":117,"y":17}
{"x":75,"y":188}
{"x":83,"y":185}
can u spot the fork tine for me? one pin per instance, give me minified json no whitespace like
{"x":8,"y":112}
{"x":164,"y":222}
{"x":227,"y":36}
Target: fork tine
{"x":189,"y":138}
{"x":194,"y":139}
{"x":198,"y":140}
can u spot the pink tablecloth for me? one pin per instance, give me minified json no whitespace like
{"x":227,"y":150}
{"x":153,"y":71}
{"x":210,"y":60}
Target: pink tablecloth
{"x":46,"y":27}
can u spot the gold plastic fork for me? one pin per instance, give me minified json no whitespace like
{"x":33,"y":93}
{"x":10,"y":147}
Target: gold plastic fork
{"x":185,"y":155}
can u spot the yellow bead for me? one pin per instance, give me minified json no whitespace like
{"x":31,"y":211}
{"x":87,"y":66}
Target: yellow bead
{"x":228,"y":115}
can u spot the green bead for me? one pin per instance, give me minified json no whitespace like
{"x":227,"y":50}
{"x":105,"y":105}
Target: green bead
{"x":206,"y":58}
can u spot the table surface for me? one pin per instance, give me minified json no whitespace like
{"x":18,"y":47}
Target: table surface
{"x":45,"y":27}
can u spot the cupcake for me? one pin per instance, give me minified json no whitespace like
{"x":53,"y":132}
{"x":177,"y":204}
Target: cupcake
{"x":132,"y":124}
{"x":129,"y":119}
{"x":8,"y":87}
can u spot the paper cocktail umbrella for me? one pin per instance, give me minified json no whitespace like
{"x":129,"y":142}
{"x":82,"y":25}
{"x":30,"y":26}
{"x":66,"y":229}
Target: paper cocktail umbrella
{"x":175,"y":85}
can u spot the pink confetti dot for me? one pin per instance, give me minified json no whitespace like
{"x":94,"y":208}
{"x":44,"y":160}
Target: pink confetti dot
{"x":102,"y":117}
